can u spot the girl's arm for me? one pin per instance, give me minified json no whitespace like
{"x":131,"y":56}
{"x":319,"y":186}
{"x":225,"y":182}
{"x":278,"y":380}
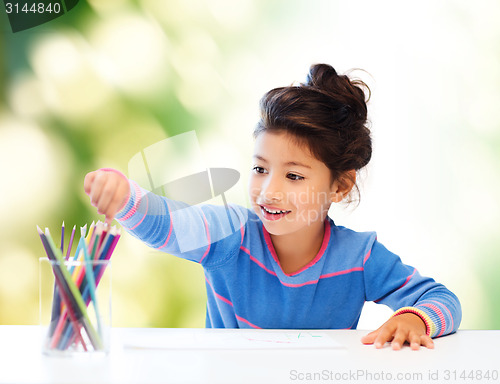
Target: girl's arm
{"x":191,"y":232}
{"x":423,"y":308}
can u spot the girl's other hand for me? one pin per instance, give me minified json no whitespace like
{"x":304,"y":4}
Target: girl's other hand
{"x":108,"y":190}
{"x":399,"y":329}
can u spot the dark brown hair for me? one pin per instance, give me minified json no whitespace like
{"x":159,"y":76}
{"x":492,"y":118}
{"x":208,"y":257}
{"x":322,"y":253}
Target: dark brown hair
{"x":328,"y":113}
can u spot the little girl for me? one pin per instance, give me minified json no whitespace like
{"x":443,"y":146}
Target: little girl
{"x":286,"y":264}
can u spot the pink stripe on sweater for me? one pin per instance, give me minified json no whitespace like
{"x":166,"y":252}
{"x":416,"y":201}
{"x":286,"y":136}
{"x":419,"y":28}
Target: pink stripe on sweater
{"x":247,"y":322}
{"x":438,"y":313}
{"x":145,"y":214}
{"x":406,"y":282}
{"x":219,"y":296}
{"x":138,"y":198}
{"x":170,"y":229}
{"x":257,"y":261}
{"x":355,"y":269}
{"x":408,"y":279}
{"x":324,"y":245}
{"x":447,"y":310}
{"x":299,"y":285}
{"x":223,"y":299}
{"x":231,"y":304}
{"x":270,"y":246}
{"x":242,"y":229}
{"x":367,"y":256}
{"x":325,"y":276}
{"x":208,"y":236}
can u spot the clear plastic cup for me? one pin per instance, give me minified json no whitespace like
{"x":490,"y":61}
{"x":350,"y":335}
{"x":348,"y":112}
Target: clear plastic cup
{"x":75,"y":315}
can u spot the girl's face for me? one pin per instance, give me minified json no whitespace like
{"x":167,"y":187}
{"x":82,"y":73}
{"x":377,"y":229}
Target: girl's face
{"x":289,"y":188}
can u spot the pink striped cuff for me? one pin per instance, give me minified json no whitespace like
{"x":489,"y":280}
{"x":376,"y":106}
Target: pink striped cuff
{"x":132,"y":204}
{"x":429,"y":324}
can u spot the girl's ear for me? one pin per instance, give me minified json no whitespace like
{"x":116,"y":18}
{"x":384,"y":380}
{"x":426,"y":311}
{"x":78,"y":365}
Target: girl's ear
{"x":343,"y":185}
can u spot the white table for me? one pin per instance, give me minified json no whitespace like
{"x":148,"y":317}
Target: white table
{"x":465,"y":357}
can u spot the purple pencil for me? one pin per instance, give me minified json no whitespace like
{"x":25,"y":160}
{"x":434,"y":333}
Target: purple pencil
{"x":62,"y":238}
{"x":70,"y":245}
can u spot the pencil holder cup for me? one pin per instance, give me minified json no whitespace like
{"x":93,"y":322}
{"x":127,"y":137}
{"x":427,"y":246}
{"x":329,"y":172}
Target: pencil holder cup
{"x":75,"y":306}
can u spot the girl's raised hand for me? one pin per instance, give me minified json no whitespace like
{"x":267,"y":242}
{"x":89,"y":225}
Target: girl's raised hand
{"x":108,"y":190}
{"x":398,"y":329}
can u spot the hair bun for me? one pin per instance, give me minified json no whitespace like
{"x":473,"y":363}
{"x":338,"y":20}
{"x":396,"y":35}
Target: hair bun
{"x":341,"y":88}
{"x":322,"y":76}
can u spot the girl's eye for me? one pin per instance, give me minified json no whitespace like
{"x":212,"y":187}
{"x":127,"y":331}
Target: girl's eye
{"x":294,"y":177}
{"x":259,"y":170}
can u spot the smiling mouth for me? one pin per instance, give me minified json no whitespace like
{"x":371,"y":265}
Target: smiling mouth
{"x":273,"y":214}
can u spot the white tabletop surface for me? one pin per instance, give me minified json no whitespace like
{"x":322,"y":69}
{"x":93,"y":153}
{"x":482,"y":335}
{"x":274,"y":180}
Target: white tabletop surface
{"x":154,"y":355}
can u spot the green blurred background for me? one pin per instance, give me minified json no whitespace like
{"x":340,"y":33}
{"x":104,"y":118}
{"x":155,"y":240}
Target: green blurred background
{"x":110,"y":78}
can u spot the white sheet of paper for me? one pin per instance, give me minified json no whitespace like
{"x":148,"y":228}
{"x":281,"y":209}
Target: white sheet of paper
{"x":231,"y":339}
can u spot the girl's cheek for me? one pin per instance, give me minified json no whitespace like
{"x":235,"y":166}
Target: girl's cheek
{"x":253,"y":189}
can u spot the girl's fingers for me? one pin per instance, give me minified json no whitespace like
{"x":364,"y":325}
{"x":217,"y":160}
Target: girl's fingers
{"x":369,"y":338}
{"x":115,"y":205}
{"x":385,"y":334}
{"x":107,"y":194}
{"x":426,"y":341}
{"x":414,"y":340}
{"x":96,"y":189}
{"x":121,"y":196}
{"x":398,"y":340}
{"x":87,"y":182}
{"x":398,"y":330}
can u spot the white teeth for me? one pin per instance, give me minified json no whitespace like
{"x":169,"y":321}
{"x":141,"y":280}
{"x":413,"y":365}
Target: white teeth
{"x":272,"y":211}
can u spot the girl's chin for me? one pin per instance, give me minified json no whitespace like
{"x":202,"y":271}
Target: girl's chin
{"x":277,"y":227}
{"x":274,"y":230}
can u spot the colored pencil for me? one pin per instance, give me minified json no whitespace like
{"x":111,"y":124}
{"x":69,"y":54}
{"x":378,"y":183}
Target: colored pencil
{"x":89,"y":270}
{"x":97,"y":238}
{"x":99,"y":269}
{"x":70,"y":245}
{"x":60,"y":281}
{"x":77,"y":274}
{"x":76,"y":283}
{"x":66,"y":310}
{"x":73,"y":291}
{"x":62,"y":238}
{"x":56,"y":302}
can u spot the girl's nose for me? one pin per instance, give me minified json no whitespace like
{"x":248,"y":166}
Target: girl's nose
{"x":272,"y":189}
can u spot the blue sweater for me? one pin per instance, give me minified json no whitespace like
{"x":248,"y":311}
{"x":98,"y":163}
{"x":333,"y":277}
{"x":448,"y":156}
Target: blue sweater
{"x":247,"y":288}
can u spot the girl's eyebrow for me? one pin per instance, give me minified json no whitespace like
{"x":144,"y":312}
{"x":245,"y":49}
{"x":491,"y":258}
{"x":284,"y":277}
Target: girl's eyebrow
{"x":259,"y":158}
{"x":289,"y":163}
{"x":296,"y":164}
